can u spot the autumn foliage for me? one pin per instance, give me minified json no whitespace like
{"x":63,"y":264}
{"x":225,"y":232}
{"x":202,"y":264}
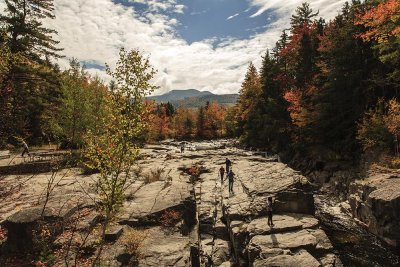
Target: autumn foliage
{"x":331,"y":85}
{"x":382,"y":21}
{"x":206,"y":122}
{"x":170,"y":217}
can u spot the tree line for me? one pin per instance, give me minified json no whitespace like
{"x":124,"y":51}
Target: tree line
{"x":327,"y":86}
{"x":209,"y":121}
{"x":42,"y":104}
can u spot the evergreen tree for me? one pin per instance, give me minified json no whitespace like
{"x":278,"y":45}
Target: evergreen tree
{"x":23,"y":23}
{"x":32,"y":81}
{"x":303,"y":16}
{"x":274,"y":116}
{"x":200,"y":122}
{"x":246,"y":106}
{"x":346,"y":64}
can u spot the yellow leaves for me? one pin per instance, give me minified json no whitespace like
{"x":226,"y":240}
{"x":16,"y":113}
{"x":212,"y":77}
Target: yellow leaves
{"x":382,"y":22}
{"x":392,"y":119}
{"x":113,"y":148}
{"x":378,"y":128}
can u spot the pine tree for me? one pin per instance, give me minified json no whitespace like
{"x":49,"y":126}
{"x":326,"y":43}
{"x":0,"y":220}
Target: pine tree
{"x":274,"y":117}
{"x":303,"y":16}
{"x":246,"y":106}
{"x":32,"y":81}
{"x":23,"y":23}
{"x":346,"y":64}
{"x":200,"y":122}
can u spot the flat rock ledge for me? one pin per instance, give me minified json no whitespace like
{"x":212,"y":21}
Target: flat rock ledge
{"x":214,"y":227}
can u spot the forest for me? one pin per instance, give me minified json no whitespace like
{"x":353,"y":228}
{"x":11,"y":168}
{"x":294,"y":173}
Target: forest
{"x":328,"y":91}
{"x":327,"y":87}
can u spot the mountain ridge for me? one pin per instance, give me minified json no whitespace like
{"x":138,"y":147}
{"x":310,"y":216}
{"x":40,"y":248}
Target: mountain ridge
{"x":192,"y":98}
{"x":175,"y":95}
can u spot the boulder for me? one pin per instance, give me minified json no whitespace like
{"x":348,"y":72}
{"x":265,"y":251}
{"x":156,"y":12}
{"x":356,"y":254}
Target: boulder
{"x":292,"y":240}
{"x":375,"y":201}
{"x":282,"y":223}
{"x":165,"y":249}
{"x":22,"y":224}
{"x":113,"y":233}
{"x":300,"y":259}
{"x":220,"y":252}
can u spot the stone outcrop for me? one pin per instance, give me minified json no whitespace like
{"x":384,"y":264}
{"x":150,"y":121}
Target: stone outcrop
{"x":375,"y":202}
{"x":210,"y":225}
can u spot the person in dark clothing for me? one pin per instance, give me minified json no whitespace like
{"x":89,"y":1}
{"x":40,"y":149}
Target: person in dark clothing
{"x":222,"y":172}
{"x":269,"y":211}
{"x":26,"y":148}
{"x":228,"y":164}
{"x":231,"y":177}
{"x":182,"y":148}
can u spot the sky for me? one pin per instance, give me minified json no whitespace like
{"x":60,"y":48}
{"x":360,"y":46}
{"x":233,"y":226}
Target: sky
{"x":200,"y":44}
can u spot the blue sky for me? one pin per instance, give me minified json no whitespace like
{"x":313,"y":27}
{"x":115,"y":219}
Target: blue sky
{"x":202,"y":44}
{"x":220,"y":19}
{"x":210,"y":19}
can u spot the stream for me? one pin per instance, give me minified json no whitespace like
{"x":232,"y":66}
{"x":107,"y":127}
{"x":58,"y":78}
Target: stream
{"x":355,"y":246}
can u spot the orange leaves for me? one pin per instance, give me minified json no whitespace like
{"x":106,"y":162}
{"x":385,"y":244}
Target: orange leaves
{"x":170,"y":218}
{"x":293,"y":97}
{"x":382,"y":21}
{"x":392,"y":119}
{"x":40,"y":264}
{"x":250,"y":91}
{"x":214,"y":116}
{"x":164,"y":122}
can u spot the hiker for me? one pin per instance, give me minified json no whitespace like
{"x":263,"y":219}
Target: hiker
{"x":269,"y":211}
{"x":182,"y":148}
{"x":26,"y":148}
{"x":231,"y":176}
{"x":222,"y":172}
{"x":228,"y":164}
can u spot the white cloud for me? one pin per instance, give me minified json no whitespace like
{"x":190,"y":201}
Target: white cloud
{"x":164,"y":5}
{"x":233,"y":16}
{"x":180,"y":9}
{"x":328,"y":8}
{"x":94,"y":31}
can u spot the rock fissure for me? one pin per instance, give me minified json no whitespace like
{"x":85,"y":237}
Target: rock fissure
{"x":188,"y":217}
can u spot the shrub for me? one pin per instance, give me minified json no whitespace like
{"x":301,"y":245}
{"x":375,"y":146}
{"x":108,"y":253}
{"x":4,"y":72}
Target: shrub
{"x":133,"y":241}
{"x":194,"y":171}
{"x":373,"y":132}
{"x":154,"y":176}
{"x":170,"y":217}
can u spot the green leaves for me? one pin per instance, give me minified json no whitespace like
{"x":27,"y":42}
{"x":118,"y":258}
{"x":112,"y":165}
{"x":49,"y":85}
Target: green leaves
{"x":112,"y":149}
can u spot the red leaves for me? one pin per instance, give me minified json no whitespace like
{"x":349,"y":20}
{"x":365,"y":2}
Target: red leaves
{"x":382,"y":21}
{"x":170,"y":218}
{"x":40,"y":264}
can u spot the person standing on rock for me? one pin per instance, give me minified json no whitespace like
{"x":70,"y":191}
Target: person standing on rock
{"x":182,"y":148}
{"x":26,"y":148}
{"x":231,"y":177}
{"x":222,"y":172}
{"x":269,"y":211}
{"x":228,"y":165}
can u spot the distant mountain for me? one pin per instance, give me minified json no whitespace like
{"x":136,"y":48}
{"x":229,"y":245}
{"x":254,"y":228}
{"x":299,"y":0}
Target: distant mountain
{"x":176,"y":95}
{"x":198,"y":101}
{"x":193,"y":98}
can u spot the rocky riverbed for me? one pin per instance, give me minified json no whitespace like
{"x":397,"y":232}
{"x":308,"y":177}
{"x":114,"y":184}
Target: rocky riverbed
{"x":179,"y":211}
